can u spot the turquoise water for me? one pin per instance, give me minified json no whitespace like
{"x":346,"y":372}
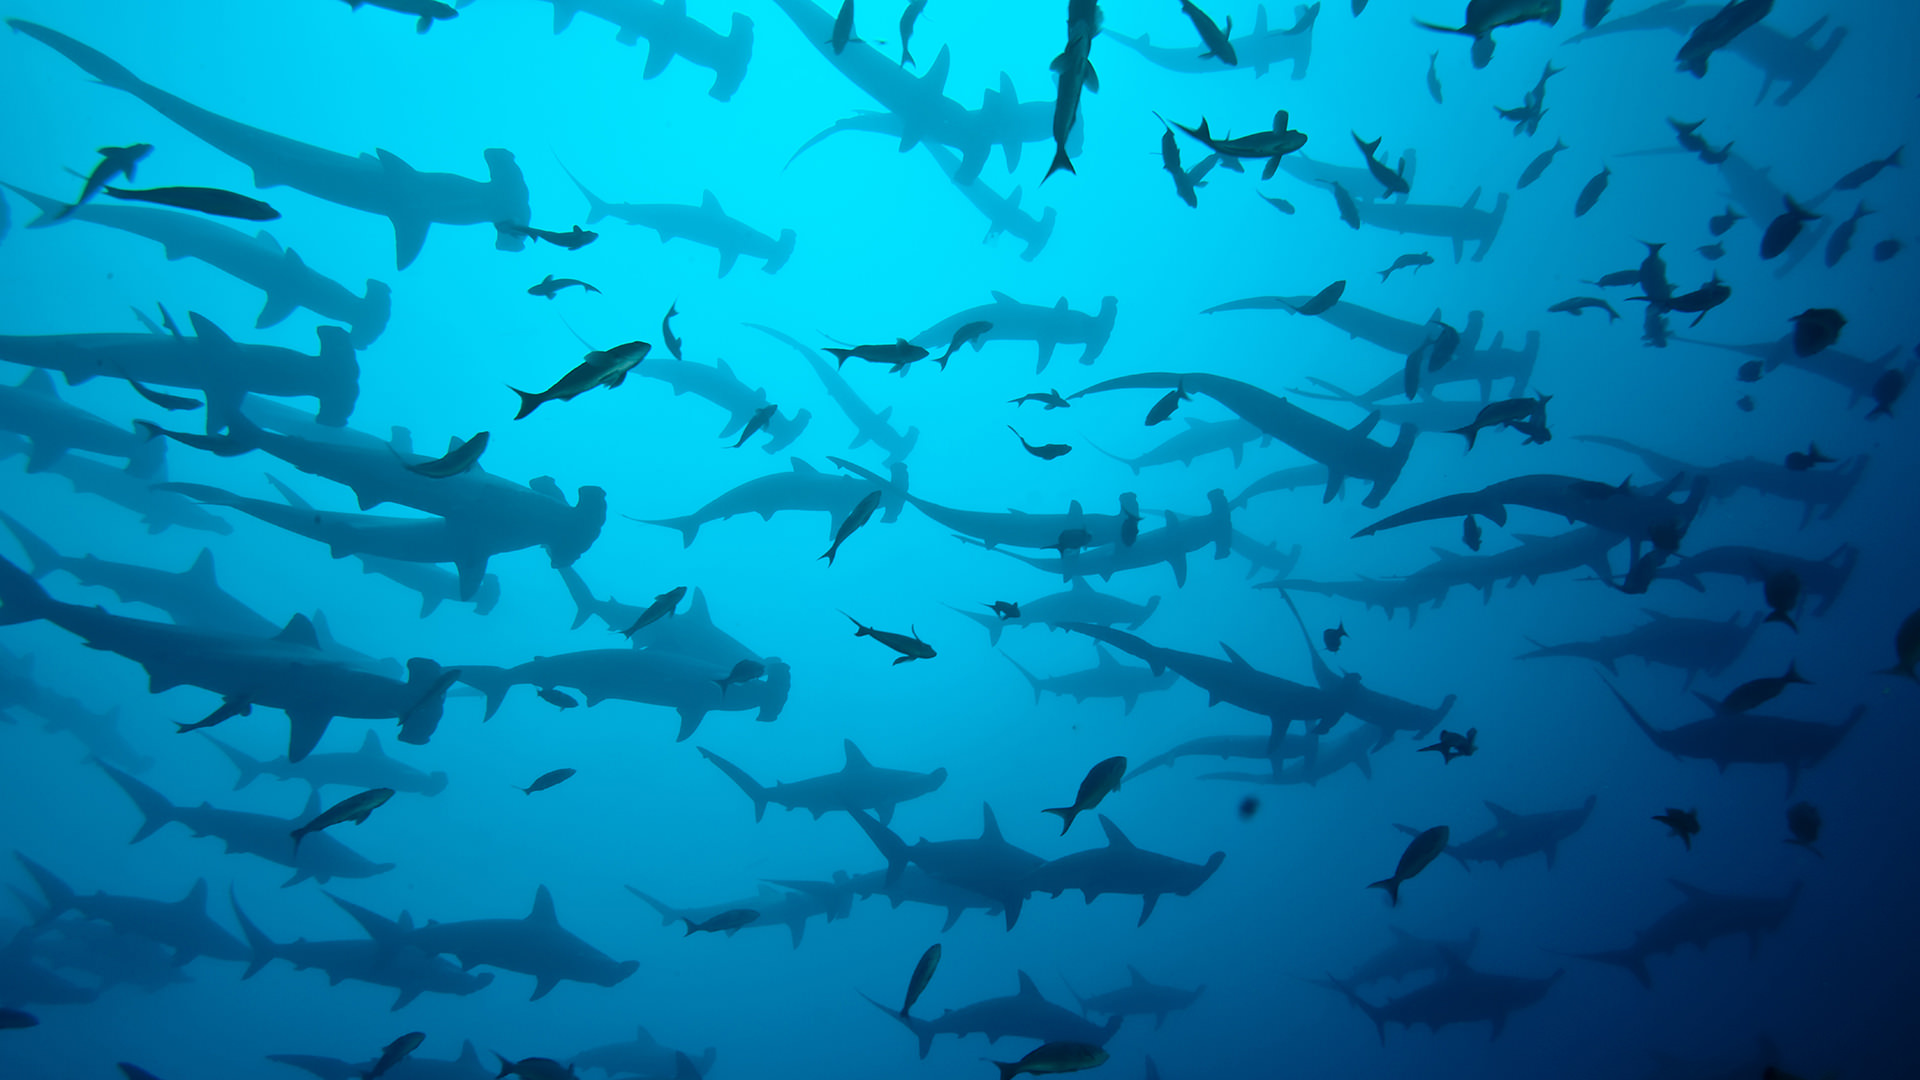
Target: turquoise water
{"x":885,"y":246}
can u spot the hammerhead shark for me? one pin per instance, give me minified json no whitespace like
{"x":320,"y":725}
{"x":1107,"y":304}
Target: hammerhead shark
{"x":1025,"y":1014}
{"x":706,"y":224}
{"x":859,"y":785}
{"x":717,"y":383}
{"x":1259,"y":51}
{"x":408,"y":971}
{"x":869,"y":426}
{"x":688,"y":685}
{"x":670,"y":33}
{"x":379,"y":183}
{"x":1047,"y":327}
{"x":1120,"y":867}
{"x":536,"y":945}
{"x":99,"y":730}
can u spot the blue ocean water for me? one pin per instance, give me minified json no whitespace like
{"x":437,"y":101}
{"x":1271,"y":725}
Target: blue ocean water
{"x":886,"y":246}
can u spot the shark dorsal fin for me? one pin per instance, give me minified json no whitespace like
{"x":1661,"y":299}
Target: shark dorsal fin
{"x":1080,"y":585}
{"x":312,"y":808}
{"x":1501,"y":813}
{"x":299,"y":631}
{"x":1238,"y":660}
{"x":205,"y":330}
{"x":1115,"y":838}
{"x":202,"y":567}
{"x":708,"y":202}
{"x":936,"y":76}
{"x":1138,"y":979}
{"x":856,"y":759}
{"x":1002,"y":298}
{"x":370,"y":746}
{"x":469,"y":1057}
{"x":697,"y":610}
{"x":1106,"y":658}
{"x":196,"y":897}
{"x":989,"y":826}
{"x":1027,"y":989}
{"x":543,"y":908}
{"x":38,"y":381}
{"x":802,"y":467}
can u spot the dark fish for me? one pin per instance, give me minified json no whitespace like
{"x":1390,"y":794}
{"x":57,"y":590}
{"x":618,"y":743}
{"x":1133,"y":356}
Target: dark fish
{"x":1841,"y":241}
{"x":1349,"y":210}
{"x":908,"y":645}
{"x":14,"y":1020}
{"x":1323,"y":300}
{"x":603,"y":368}
{"x":662,"y":608}
{"x":169,"y":402}
{"x":1072,"y":540}
{"x":1074,"y":66}
{"x":1750,"y":371}
{"x":1745,"y":404}
{"x":761,"y":417}
{"x":1445,"y":344}
{"x":1887,"y":249}
{"x":1218,"y":41}
{"x":1054,"y":1057}
{"x":1861,"y":175}
{"x":1163,"y":409}
{"x":1272,"y":145}
{"x":1684,"y":824}
{"x":666,"y":329}
{"x":922,"y":975}
{"x":1906,"y":647}
{"x":907,"y":19}
{"x":1886,"y":390}
{"x":1816,"y":329}
{"x":855,"y":518}
{"x":547,"y":780}
{"x":550,"y":286}
{"x":1395,"y":183}
{"x":1782,"y":592}
{"x":395,"y":1052}
{"x":230,"y":708}
{"x":1713,"y":252}
{"x":206,"y":200}
{"x":1051,"y":399}
{"x":1129,"y":518}
{"x":1785,"y":229}
{"x":1539,"y":164}
{"x":1046,"y":452}
{"x":1618,"y":278}
{"x":1006,"y":609}
{"x":1415,"y":260}
{"x":1486,"y":16}
{"x":537,"y":1068}
{"x":1249,"y":806}
{"x":114,"y":161}
{"x":1596,"y":10}
{"x":573,"y":239}
{"x":1799,"y":462}
{"x":1718,"y":32}
{"x":1433,"y":82}
{"x":557,"y":699}
{"x":1803,"y":822}
{"x":1470,"y":533}
{"x":743,"y":672}
{"x":968,"y":332}
{"x":727,"y":922}
{"x":1590,"y":194}
{"x":1424,"y":848}
{"x":1452,"y":745}
{"x":1332,"y":638}
{"x":1720,"y":223}
{"x":1101,"y":780}
{"x":1688,"y":134}
{"x":1581,"y":303}
{"x":897,"y":355}
{"x":457,"y":460}
{"x":1281,"y":205}
{"x":354,"y":808}
{"x":1754,"y":693}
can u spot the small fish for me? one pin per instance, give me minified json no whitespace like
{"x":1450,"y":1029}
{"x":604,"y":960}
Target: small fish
{"x":547,"y":780}
{"x":1349,"y":210}
{"x":857,"y":517}
{"x":1684,"y":824}
{"x":535,"y":1068}
{"x":213,"y":201}
{"x":1101,"y":781}
{"x":1045,"y":452}
{"x":662,"y":608}
{"x":1785,"y":229}
{"x":1799,"y":462}
{"x":1688,"y":134}
{"x":727,"y":922}
{"x":1452,"y":745}
{"x":1395,"y":183}
{"x":1887,"y":249}
{"x":1249,"y":806}
{"x":550,"y":286}
{"x":457,"y":460}
{"x":1072,"y":540}
{"x":1782,"y":592}
{"x":970,"y":332}
{"x":1720,"y":223}
{"x":1332,"y":638}
{"x":169,"y":402}
{"x":922,"y":975}
{"x":1853,"y":180}
{"x":1219,"y":45}
{"x":1713,"y":252}
{"x":395,"y":1052}
{"x":897,"y":355}
{"x":1163,"y":409}
{"x":1539,"y":165}
{"x":1717,"y":157}
{"x":1006,"y":609}
{"x":1841,"y":241}
{"x":1281,"y":205}
{"x":1906,"y":647}
{"x":761,"y":417}
{"x":1445,"y":343}
{"x":1886,"y":390}
{"x":908,"y":645}
{"x":1470,"y":533}
{"x":114,"y":161}
{"x":907,"y":19}
{"x":1719,"y":31}
{"x":573,"y":240}
{"x":1750,"y":371}
{"x":1754,"y":693}
{"x":1581,"y":303}
{"x":1590,"y":194}
{"x":1745,"y":404}
{"x":1424,"y":848}
{"x":1433,"y":82}
{"x":1618,"y":278}
{"x":1803,"y":823}
{"x":230,"y":708}
{"x":354,"y":808}
{"x":1416,"y":260}
{"x":1054,"y":1057}
{"x":1129,"y":518}
{"x":1323,"y":301}
{"x":557,"y":698}
{"x":1815,"y":330}
{"x":666,"y":330}
{"x":606,"y":368}
{"x":1051,"y":399}
{"x":743,"y":672}
{"x":15,"y":1020}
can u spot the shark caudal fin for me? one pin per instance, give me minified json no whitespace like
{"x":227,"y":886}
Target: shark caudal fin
{"x":259,"y":945}
{"x":21,"y":598}
{"x":1032,"y":679}
{"x":250,"y":769}
{"x":40,"y":555}
{"x":892,"y":848}
{"x":60,"y":896}
{"x":154,"y":808}
{"x":747,"y":784}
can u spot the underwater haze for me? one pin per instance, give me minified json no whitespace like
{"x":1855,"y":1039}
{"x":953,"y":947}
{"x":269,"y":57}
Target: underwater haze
{"x":540,"y":540}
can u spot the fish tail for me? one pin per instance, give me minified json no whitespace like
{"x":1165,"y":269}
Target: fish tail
{"x":1392,"y":885}
{"x":1060,"y":161}
{"x":21,"y":598}
{"x":1066,"y":814}
{"x":528,"y":403}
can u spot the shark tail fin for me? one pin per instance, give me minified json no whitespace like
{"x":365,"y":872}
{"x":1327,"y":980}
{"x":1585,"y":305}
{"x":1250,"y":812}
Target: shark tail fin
{"x":1373,"y":1011}
{"x":261,"y":947}
{"x":892,"y":848}
{"x":40,"y":554}
{"x":494,"y":682}
{"x":782,"y":251}
{"x":597,"y":208}
{"x":1629,"y":959}
{"x":59,"y":894}
{"x":582,"y":596}
{"x":21,"y":598}
{"x":1032,"y":680}
{"x":249,"y":768}
{"x":154,"y":808}
{"x":753,"y":789}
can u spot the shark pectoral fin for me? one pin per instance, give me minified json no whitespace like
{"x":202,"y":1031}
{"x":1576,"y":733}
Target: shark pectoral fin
{"x":728,"y":257}
{"x":276,"y":310}
{"x":690,"y":718}
{"x":305,"y":732}
{"x":409,"y":236}
{"x":543,"y":987}
{"x":472,"y":572}
{"x":659,"y":55}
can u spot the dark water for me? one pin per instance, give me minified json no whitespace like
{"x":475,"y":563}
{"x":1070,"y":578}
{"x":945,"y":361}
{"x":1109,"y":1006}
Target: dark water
{"x":886,"y":247}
